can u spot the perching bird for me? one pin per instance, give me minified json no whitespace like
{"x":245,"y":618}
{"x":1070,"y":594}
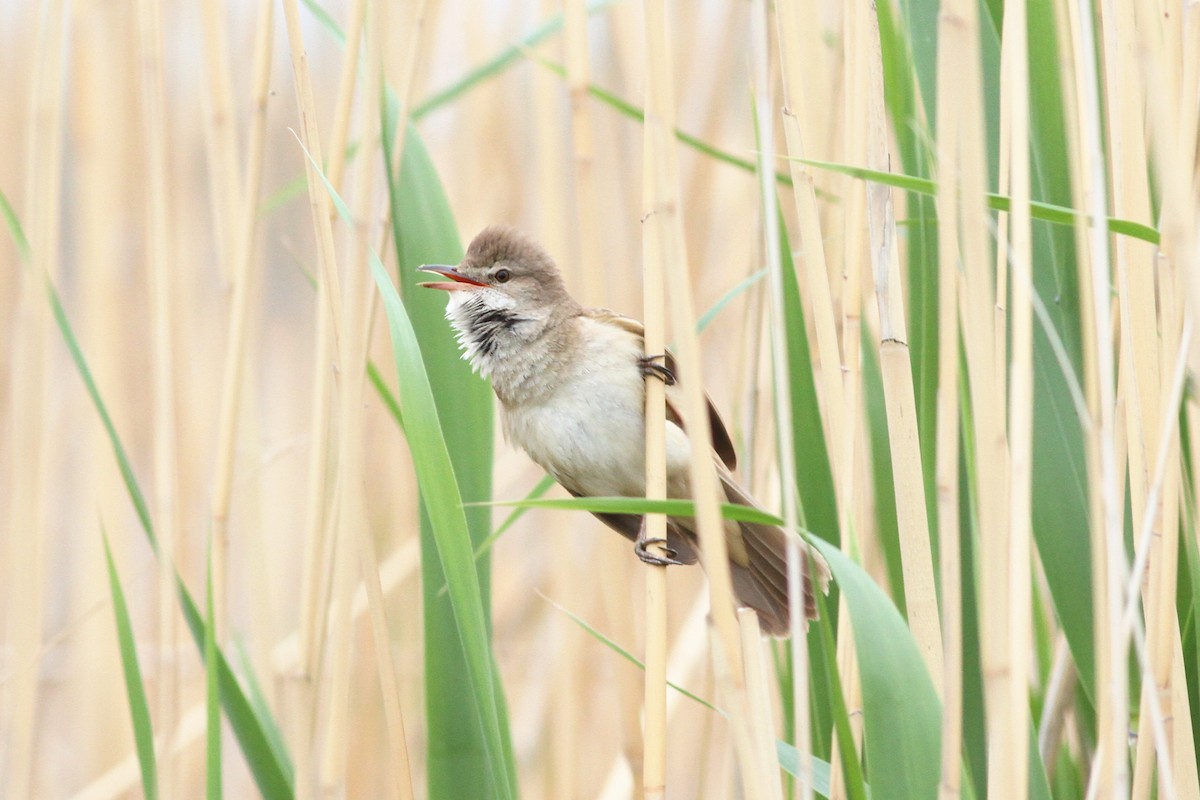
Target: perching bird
{"x":571,"y":384}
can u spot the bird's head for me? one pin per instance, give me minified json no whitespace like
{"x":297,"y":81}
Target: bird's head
{"x":506,"y":290}
{"x":504,"y":270}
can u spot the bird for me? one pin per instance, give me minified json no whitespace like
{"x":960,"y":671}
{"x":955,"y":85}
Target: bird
{"x":570,"y":382}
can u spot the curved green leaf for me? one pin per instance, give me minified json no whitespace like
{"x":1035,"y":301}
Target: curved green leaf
{"x":451,"y":537}
{"x":139,"y":708}
{"x":901,"y":711}
{"x":640,"y":505}
{"x":424,"y":231}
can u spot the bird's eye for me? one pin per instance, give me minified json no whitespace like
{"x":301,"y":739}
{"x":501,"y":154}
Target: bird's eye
{"x":502,"y":275}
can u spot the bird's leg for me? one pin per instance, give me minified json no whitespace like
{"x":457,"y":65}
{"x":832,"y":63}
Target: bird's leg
{"x":650,"y":366}
{"x":660,"y":371}
{"x":639,"y":547}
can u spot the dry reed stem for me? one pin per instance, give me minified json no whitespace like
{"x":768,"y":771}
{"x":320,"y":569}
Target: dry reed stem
{"x":245,"y":284}
{"x":163,"y":318}
{"x":818,"y":286}
{"x":957,"y":30}
{"x":1059,"y":699}
{"x":1171,"y":142}
{"x":124,"y":778}
{"x":567,"y":710}
{"x":618,"y":615}
{"x":397,"y":763}
{"x":1134,"y":264}
{"x":243,"y":210}
{"x":987,"y":374}
{"x":319,"y":201}
{"x":414,"y":26}
{"x":807,"y":79}
{"x":347,"y":524}
{"x":1184,"y":779}
{"x":394,"y":572}
{"x":25,"y":612}
{"x":220,"y":138}
{"x":977,"y":303}
{"x":1158,"y":500}
{"x":360,"y":291}
{"x":1159,"y":543}
{"x":849,"y":675}
{"x":320,"y":544}
{"x":551,"y":169}
{"x":327,"y":732}
{"x":962,"y":177}
{"x":752,"y":783}
{"x":100,"y":85}
{"x":1000,"y":361}
{"x":848,"y":254}
{"x":915,"y":551}
{"x":654,"y":752}
{"x":838,"y":429}
{"x":560,"y":229}
{"x":816,"y":271}
{"x":31,"y":432}
{"x":1014,"y":751}
{"x":587,"y":207}
{"x":333,"y":691}
{"x":1155,"y":680}
{"x":318,"y":562}
{"x":758,"y":694}
{"x":318,"y":614}
{"x":688,"y":655}
{"x":690,"y":666}
{"x":758,"y":443}
{"x":330,"y":297}
{"x":241,"y":254}
{"x":343,"y":105}
{"x":1005,"y":475}
{"x":997,"y":618}
{"x":1139,"y":328}
{"x":664,"y":227}
{"x":1110,"y":768}
{"x":658,"y":192}
{"x":347,"y":84}
{"x":664,"y":245}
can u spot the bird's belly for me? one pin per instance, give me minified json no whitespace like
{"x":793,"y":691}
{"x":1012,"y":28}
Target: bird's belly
{"x":589,"y":437}
{"x":592,"y":441}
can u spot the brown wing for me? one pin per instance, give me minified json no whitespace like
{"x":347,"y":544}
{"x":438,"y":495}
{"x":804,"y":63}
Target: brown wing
{"x":722,"y":442}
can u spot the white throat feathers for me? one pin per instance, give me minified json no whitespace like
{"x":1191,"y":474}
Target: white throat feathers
{"x":507,"y":346}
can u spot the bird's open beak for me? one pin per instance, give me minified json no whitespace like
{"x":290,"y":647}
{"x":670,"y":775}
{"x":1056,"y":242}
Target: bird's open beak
{"x":457,"y":280}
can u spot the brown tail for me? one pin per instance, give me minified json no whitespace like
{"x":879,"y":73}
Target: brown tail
{"x":761,"y":583}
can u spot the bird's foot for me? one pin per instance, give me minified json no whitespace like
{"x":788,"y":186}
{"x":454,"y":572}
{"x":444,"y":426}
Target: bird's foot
{"x":667,"y":559}
{"x":650,"y":367}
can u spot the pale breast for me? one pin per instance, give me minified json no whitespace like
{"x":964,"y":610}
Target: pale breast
{"x":588,"y":431}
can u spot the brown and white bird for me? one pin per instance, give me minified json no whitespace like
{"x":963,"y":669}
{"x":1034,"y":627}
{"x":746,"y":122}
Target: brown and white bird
{"x":571,"y":385}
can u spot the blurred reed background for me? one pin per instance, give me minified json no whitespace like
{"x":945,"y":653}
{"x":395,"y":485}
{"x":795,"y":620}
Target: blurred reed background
{"x":990,"y":411}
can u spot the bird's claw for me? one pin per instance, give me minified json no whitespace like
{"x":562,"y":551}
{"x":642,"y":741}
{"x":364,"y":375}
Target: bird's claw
{"x":650,"y":367}
{"x":668,"y":559}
